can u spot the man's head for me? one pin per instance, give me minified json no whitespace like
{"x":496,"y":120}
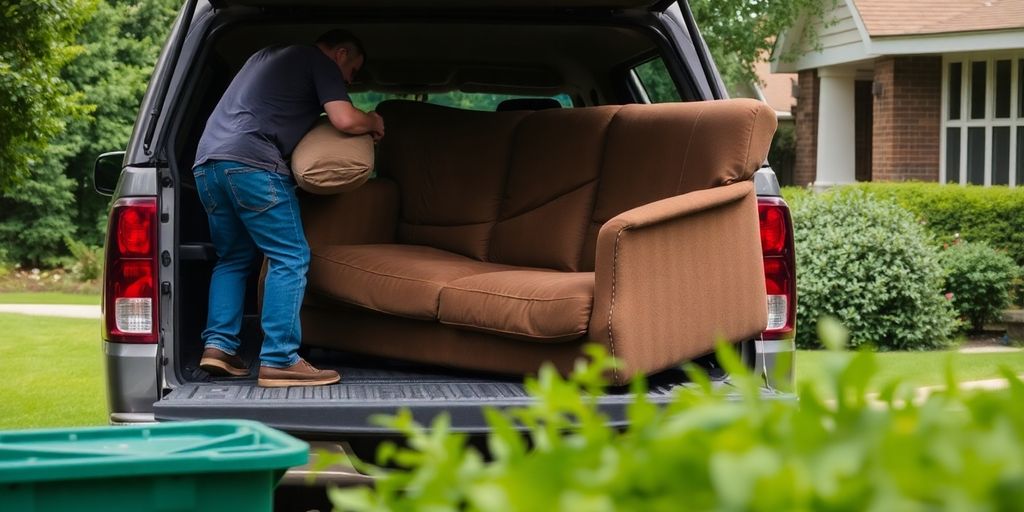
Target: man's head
{"x":345,"y":49}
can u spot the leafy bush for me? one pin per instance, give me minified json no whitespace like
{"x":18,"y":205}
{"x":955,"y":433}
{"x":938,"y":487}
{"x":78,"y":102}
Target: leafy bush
{"x":88,"y":260}
{"x":837,"y":449}
{"x":868,"y":263}
{"x":979,"y":279}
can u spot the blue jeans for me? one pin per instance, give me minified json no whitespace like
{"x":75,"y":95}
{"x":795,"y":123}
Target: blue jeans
{"x":254,"y":210}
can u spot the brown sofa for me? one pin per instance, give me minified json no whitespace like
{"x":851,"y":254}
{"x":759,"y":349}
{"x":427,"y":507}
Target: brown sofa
{"x":499,"y":240}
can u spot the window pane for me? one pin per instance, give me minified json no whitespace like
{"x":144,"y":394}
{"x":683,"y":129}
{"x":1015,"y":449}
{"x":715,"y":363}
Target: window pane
{"x":368,"y":100}
{"x":952,"y":155}
{"x":1020,"y":95}
{"x":1003,"y":88}
{"x":485,"y":101}
{"x":1020,"y":156}
{"x":1001,"y":155}
{"x":657,"y":82}
{"x":976,"y":156}
{"x":978,"y":70}
{"x":955,"y":91}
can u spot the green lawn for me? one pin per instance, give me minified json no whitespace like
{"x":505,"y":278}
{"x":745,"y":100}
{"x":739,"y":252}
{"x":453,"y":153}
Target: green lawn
{"x":52,"y":371}
{"x":922,"y":368}
{"x":48,"y":298}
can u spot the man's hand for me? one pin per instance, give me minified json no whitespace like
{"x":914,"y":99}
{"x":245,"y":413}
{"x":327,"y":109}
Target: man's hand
{"x":378,"y":131}
{"x":349,"y":119}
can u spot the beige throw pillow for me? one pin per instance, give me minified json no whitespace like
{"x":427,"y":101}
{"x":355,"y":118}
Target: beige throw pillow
{"x":327,"y":161}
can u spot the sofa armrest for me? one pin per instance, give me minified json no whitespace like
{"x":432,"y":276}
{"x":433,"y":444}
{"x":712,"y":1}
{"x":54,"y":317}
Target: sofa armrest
{"x":366,"y":215}
{"x":675,"y":276}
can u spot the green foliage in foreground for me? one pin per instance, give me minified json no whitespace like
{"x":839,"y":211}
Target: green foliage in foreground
{"x":52,"y":372}
{"x":837,"y":449}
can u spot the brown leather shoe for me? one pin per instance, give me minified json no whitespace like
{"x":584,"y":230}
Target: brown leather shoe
{"x":299,"y":374}
{"x":217,"y":362}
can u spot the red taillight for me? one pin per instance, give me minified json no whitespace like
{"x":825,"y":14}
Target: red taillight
{"x":779,"y":267}
{"x":130,"y":273}
{"x":773,"y":229}
{"x":134,"y":231}
{"x":776,"y":276}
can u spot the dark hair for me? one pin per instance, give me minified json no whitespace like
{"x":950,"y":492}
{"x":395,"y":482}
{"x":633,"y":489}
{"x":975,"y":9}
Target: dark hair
{"x":341,"y":37}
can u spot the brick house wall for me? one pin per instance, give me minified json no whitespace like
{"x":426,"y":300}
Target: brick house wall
{"x":907,"y":119}
{"x":805,"y":115}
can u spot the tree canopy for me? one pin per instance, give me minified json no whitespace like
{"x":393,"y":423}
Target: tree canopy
{"x":37,"y":38}
{"x":739,"y":33}
{"x":77,"y":87}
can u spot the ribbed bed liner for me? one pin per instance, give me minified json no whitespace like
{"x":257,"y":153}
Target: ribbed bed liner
{"x":369,"y":388}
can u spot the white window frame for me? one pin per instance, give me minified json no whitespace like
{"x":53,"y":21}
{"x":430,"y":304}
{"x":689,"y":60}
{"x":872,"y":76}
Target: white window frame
{"x":1014,"y":122}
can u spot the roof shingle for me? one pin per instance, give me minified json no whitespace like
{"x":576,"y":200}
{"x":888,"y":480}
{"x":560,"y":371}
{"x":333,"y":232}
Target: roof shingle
{"x":914,"y":17}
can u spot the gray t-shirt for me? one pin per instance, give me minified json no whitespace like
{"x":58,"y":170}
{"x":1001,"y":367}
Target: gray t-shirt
{"x":271,"y":103}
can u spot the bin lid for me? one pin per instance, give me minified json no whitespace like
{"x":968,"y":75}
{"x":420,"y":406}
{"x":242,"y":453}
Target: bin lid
{"x":142,"y":450}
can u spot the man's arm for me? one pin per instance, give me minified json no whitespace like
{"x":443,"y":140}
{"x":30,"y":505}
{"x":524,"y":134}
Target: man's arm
{"x":349,"y":119}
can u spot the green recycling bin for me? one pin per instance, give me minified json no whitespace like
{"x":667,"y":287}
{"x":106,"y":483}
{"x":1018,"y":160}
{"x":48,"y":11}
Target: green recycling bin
{"x":195,"y":466}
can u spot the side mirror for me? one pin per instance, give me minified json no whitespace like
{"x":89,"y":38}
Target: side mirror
{"x":107,"y":171}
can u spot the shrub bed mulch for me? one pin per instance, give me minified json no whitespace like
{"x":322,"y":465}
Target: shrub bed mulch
{"x":55,"y":280}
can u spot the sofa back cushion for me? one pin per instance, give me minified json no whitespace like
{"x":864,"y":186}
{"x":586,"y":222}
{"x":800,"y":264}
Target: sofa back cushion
{"x":450,"y":166}
{"x":552,"y":181}
{"x":533,"y":188}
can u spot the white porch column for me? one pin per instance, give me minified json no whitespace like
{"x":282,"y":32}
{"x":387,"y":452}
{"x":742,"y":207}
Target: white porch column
{"x":836,"y":164}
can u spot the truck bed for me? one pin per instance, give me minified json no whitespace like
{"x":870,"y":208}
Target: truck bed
{"x":370,"y":387}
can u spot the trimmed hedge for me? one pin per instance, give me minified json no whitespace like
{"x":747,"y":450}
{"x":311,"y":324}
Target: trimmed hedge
{"x":994,"y":215}
{"x":868,"y":263}
{"x":978,"y":214}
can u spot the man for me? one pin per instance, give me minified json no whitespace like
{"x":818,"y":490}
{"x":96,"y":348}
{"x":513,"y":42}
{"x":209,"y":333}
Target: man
{"x":246,"y":187}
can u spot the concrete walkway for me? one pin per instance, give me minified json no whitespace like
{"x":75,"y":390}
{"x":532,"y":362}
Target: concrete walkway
{"x":921,"y":394}
{"x":62,"y":310}
{"x":989,"y":349}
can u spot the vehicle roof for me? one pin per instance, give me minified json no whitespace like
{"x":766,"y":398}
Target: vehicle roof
{"x":411,"y":56}
{"x":443,"y":4}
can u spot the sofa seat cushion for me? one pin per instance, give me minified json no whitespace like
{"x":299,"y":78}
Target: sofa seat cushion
{"x":404,"y":280}
{"x":537,"y":305}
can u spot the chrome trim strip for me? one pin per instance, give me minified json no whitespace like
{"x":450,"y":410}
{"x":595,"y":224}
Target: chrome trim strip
{"x":775,"y":346}
{"x":131,"y":418}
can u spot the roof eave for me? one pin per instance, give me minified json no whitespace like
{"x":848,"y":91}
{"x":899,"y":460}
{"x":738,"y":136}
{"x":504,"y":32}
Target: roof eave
{"x":849,"y":53}
{"x":949,"y":42}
